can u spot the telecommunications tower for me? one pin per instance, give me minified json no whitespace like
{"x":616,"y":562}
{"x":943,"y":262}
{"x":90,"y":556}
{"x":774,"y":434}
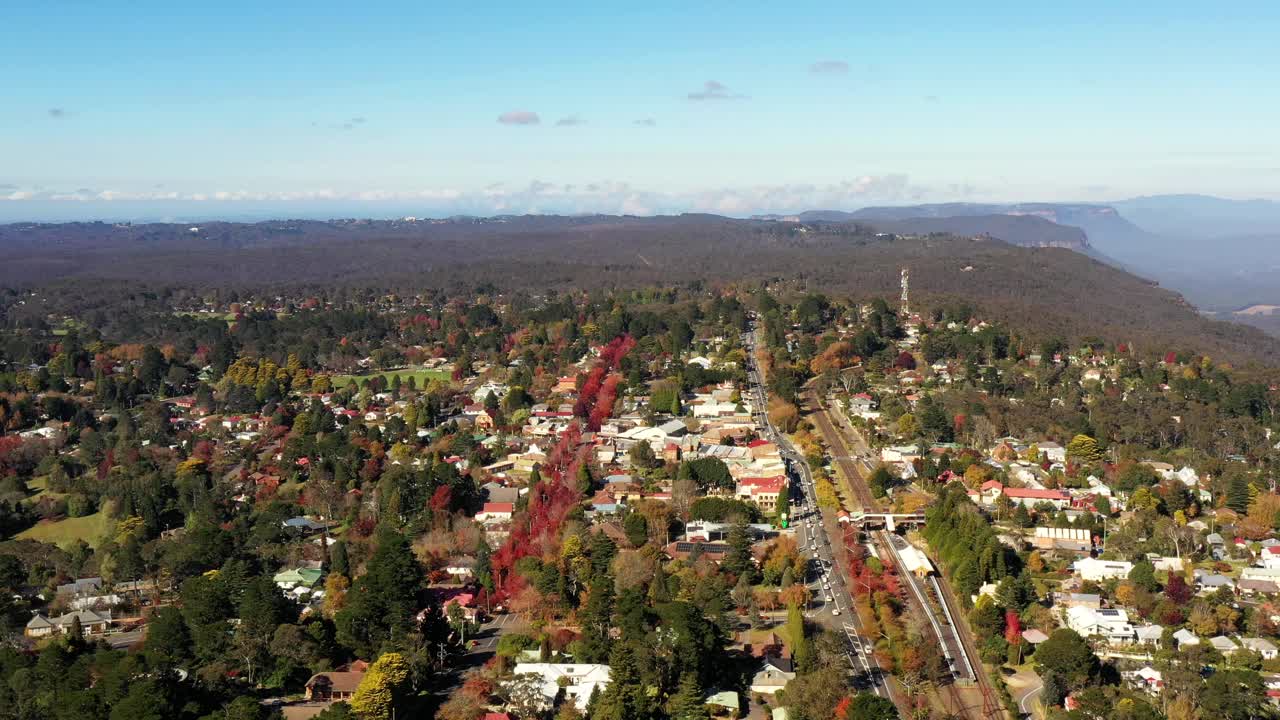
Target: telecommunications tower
{"x":906,"y":280}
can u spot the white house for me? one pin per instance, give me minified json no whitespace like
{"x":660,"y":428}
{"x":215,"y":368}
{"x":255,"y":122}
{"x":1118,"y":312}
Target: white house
{"x":1185,"y":637}
{"x":1098,"y":570}
{"x":774,"y":674}
{"x":1262,"y":646}
{"x":1053,"y":451}
{"x":578,"y":680}
{"x":1111,"y":624}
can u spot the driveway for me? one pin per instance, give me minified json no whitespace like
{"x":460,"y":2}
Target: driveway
{"x":1025,"y":687}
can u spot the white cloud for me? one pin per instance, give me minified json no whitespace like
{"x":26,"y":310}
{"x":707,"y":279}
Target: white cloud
{"x":519,"y":117}
{"x":714,"y":90}
{"x":829,"y":67}
{"x":605,"y":196}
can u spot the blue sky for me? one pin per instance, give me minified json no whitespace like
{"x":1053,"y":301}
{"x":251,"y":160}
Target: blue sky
{"x":159,"y":110}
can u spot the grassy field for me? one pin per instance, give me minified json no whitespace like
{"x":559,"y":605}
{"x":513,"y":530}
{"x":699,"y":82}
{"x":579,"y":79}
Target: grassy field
{"x":93,"y":529}
{"x":421,"y":376}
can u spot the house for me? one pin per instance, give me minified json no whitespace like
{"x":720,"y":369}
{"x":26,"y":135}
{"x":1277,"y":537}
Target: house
{"x":1149,"y":634}
{"x":79,"y":587}
{"x":774,"y":674}
{"x":577,"y":680}
{"x":91,"y":623}
{"x":1185,"y":637}
{"x":723,"y":704}
{"x":1053,"y":452}
{"x":1030,"y":497}
{"x":1148,"y":679}
{"x":1070,"y":600}
{"x":763,"y":491}
{"x":1034,"y":636}
{"x":496,"y":512}
{"x":1207,"y":582}
{"x":303,"y":524}
{"x":1096,"y":570}
{"x":299,"y":577}
{"x":1262,"y":646}
{"x":1251,"y":586}
{"x":1111,"y":624}
{"x":682,"y":550}
{"x":1270,"y":557}
{"x":1223,"y":644}
{"x":1075,"y":540}
{"x":461,"y":567}
{"x":333,"y":686}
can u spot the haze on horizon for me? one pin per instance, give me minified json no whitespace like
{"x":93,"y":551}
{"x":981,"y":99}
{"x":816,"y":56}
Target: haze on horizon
{"x":242,"y":110}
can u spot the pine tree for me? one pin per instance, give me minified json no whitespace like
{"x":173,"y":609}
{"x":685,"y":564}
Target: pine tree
{"x":1238,"y":493}
{"x":625,"y":698}
{"x":586,"y":483}
{"x":338,"y":562}
{"x":687,"y":703}
{"x":676,"y":408}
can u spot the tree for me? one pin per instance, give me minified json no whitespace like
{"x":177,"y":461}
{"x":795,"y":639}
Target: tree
{"x":382,"y":604}
{"x":687,"y":703}
{"x":642,"y":456}
{"x":814,"y":695}
{"x":168,"y":641}
{"x":1238,"y":495}
{"x":738,"y":560}
{"x":1143,"y":575}
{"x":1054,"y":689}
{"x":1068,"y":655}
{"x":586,"y":483}
{"x":880,"y":481}
{"x":382,"y":687}
{"x":867,"y":706}
{"x":1015,"y":592}
{"x":1177,"y":590}
{"x":1084,"y":449}
{"x":1234,"y":694}
{"x":636,"y":528}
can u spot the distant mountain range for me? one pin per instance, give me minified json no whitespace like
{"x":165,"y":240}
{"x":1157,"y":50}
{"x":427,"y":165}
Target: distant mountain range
{"x":1219,"y":253}
{"x":1041,"y":291}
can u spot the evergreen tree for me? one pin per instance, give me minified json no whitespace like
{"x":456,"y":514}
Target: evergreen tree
{"x":594,"y":619}
{"x":1238,"y":493}
{"x":738,"y":560}
{"x":339,"y":563}
{"x":586,"y":483}
{"x":687,"y":703}
{"x":626,"y":697}
{"x":382,"y":603}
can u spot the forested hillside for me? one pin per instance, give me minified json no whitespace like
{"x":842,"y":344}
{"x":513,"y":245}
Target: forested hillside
{"x":1047,"y":291}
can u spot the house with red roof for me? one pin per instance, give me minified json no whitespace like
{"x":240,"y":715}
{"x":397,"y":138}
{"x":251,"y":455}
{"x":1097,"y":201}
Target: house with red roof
{"x":496,"y":512}
{"x":763,"y":491}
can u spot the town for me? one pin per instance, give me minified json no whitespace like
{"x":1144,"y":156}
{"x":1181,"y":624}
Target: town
{"x":681,"y":503}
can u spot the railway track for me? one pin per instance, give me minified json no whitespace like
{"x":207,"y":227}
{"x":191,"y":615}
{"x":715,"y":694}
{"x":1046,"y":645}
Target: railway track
{"x":932,"y":597}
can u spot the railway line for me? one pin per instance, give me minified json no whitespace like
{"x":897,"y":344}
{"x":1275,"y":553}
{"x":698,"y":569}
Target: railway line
{"x":929,"y":596}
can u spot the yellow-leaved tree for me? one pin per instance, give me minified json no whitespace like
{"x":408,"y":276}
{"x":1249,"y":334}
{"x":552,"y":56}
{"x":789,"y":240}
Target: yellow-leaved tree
{"x":384,"y":684}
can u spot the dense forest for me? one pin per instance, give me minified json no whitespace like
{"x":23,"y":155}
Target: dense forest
{"x":1045,"y":291}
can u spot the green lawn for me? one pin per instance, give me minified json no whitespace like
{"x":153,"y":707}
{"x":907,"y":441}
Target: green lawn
{"x":421,"y":376}
{"x":93,"y":529}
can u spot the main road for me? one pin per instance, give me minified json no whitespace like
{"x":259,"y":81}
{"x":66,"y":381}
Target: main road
{"x":831,"y":592}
